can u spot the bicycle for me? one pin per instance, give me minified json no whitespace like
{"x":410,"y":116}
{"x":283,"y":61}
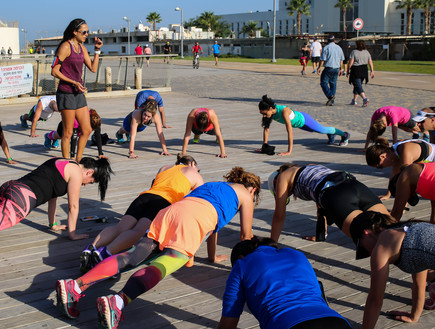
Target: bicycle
{"x":195,"y":63}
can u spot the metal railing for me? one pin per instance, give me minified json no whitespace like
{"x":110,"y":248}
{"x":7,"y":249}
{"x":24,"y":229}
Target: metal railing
{"x":113,"y":73}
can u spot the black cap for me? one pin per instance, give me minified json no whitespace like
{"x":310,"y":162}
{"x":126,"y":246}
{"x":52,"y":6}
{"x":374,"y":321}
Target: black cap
{"x":331,"y":37}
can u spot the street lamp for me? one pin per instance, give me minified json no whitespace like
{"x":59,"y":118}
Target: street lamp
{"x":25,"y":39}
{"x":181,"y":29}
{"x":128,"y":20}
{"x":274,"y":32}
{"x":268,"y":28}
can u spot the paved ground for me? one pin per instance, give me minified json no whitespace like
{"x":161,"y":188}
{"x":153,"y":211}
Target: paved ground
{"x":33,"y":258}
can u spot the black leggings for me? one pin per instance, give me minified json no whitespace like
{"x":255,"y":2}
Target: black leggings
{"x":147,"y":205}
{"x":323,"y":323}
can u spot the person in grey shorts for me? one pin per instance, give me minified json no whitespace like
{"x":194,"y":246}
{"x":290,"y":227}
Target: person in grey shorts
{"x":359,"y":59}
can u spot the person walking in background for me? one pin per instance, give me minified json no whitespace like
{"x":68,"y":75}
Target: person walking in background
{"x":147,"y":51}
{"x":316,"y":50}
{"x":279,"y":286}
{"x":5,"y":148}
{"x":3,"y":51}
{"x":359,"y":59}
{"x":345,"y":47}
{"x":138,"y":51}
{"x":305,"y":57}
{"x":332,"y":58}
{"x":216,"y":50}
{"x":68,"y":62}
{"x":166,"y":50}
{"x":43,"y":110}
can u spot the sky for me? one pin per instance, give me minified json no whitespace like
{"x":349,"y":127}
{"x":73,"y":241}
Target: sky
{"x":42,"y":18}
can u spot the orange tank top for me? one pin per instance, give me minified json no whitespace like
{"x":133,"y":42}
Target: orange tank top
{"x":171,"y":184}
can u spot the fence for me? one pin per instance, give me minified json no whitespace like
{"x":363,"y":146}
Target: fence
{"x":113,"y":73}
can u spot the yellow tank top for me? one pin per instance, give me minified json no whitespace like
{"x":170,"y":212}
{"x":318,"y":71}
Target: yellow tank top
{"x":171,"y":184}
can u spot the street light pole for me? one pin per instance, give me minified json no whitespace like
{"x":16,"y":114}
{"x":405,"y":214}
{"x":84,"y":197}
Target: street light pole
{"x":128,"y":20}
{"x":25,"y":39}
{"x":274,"y":32}
{"x":181,"y":31}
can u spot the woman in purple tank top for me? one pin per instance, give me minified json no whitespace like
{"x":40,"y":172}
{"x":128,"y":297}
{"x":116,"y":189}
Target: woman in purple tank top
{"x":68,"y":67}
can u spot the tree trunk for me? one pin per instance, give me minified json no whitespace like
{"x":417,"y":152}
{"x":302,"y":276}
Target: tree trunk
{"x":344,"y":19}
{"x":427,"y":19}
{"x":298,"y":17}
{"x":409,"y":20}
{"x":154,"y":26}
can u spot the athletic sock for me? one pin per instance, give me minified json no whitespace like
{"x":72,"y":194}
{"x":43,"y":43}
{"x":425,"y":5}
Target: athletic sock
{"x":119,"y":302}
{"x":51,"y":135}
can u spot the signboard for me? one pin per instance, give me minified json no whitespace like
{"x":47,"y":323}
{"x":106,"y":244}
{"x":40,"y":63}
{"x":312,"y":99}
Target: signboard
{"x":358,"y":24}
{"x":16,"y":80}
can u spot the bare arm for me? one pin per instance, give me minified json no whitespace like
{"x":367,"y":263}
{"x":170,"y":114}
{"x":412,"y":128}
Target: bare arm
{"x":265,"y":135}
{"x":349,"y":65}
{"x":52,"y":216}
{"x":135,"y":119}
{"x":211,"y":250}
{"x":281,"y":195}
{"x":159,"y":131}
{"x":228,"y":323}
{"x":372,"y":70}
{"x":246,"y":213}
{"x":163,"y":117}
{"x":394,"y":129}
{"x":5,"y":148}
{"x":188,"y":132}
{"x":36,"y":117}
{"x":92,"y":64}
{"x":288,"y":126}
{"x":215,"y":121}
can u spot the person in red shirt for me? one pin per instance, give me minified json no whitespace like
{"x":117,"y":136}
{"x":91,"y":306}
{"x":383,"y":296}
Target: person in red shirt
{"x":195,"y":50}
{"x":138,"y":51}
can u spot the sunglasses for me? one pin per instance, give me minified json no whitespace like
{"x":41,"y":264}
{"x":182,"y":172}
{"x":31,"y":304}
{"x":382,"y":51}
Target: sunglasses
{"x":84,"y":32}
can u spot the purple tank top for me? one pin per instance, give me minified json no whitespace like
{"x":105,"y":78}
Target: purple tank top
{"x":72,"y":68}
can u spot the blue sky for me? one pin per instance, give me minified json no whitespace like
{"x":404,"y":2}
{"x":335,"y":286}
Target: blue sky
{"x":42,"y":18}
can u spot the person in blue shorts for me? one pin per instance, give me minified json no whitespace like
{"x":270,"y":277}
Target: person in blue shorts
{"x":216,"y":50}
{"x":145,"y":95}
{"x":295,"y":119}
{"x":137,"y":121}
{"x":279,"y":287}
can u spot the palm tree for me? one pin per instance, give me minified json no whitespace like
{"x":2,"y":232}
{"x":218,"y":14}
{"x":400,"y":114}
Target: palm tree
{"x":249,"y":28}
{"x":154,"y":18}
{"x":300,"y":7}
{"x":344,"y":5}
{"x":426,"y":5}
{"x":211,"y":22}
{"x":408,"y":4}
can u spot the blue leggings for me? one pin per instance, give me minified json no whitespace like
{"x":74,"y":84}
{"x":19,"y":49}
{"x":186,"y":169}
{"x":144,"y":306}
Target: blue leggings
{"x":312,"y":125}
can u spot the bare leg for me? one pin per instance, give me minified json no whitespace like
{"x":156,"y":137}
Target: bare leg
{"x":110,"y":233}
{"x":68,"y":117}
{"x":84,"y":121}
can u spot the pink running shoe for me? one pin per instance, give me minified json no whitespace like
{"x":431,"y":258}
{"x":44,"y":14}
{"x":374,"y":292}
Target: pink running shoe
{"x":109,"y":314}
{"x":67,"y":298}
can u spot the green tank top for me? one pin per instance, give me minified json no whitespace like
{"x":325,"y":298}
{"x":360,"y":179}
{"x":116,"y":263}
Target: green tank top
{"x":296,"y":118}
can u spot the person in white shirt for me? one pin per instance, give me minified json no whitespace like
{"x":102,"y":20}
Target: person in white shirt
{"x":43,"y":110}
{"x":316,"y":50}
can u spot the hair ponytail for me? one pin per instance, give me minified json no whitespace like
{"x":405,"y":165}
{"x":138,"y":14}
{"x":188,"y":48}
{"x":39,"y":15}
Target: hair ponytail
{"x":102,"y":173}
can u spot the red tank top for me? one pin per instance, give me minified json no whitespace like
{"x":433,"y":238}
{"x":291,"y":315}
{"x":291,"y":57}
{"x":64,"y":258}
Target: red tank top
{"x":72,"y":68}
{"x":210,"y":125}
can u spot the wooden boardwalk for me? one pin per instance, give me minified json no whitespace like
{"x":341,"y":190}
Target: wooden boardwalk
{"x":32,"y":258}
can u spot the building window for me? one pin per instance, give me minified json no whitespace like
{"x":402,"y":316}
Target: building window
{"x":422,"y":23}
{"x":307,"y":27}
{"x":402,"y":23}
{"x":123,"y":49}
{"x":286,"y":27}
{"x":294,"y":27}
{"x":280,"y":27}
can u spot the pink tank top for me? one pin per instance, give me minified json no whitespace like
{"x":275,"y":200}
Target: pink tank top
{"x":425,"y":185}
{"x":210,"y":125}
{"x":72,"y":68}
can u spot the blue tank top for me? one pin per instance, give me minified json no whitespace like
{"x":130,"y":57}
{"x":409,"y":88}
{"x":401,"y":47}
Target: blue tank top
{"x":223,"y":198}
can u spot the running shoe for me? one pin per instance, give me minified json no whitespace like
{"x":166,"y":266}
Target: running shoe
{"x":365,"y":102}
{"x":55,"y":144}
{"x":47,"y":141}
{"x":330,"y":101}
{"x":314,"y":71}
{"x":344,"y":139}
{"x":196,"y":139}
{"x":23,"y":122}
{"x":86,"y":258}
{"x":119,"y":137}
{"x":98,"y":255}
{"x":331,"y":138}
{"x":353,"y":102}
{"x":109,"y":314}
{"x":430,"y":302}
{"x":67,"y":298}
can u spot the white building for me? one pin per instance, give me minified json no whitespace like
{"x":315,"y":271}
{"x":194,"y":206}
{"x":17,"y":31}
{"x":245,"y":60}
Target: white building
{"x":379,"y":16}
{"x":10,"y":36}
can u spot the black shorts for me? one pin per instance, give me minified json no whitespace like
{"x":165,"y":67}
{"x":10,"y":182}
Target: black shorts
{"x":346,"y":60}
{"x":66,"y":101}
{"x":315,"y":59}
{"x":323,"y":323}
{"x":216,"y":54}
{"x":147,"y":205}
{"x":147,"y":58}
{"x":32,"y":114}
{"x":340,"y":200}
{"x":200,"y":132}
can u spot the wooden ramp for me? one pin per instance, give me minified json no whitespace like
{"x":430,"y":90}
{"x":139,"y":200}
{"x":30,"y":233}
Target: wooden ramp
{"x":32,"y":258}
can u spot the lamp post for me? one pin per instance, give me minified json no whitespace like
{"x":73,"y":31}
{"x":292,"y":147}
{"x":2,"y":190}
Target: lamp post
{"x":128,"y":20}
{"x":25,"y":39}
{"x":268,"y":28}
{"x":274,"y":32}
{"x":181,"y":30}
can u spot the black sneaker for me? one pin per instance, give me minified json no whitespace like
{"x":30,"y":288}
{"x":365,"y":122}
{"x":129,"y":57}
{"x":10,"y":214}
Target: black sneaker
{"x":330,"y":101}
{"x":86,"y":259}
{"x":344,"y":139}
{"x":331,"y":138}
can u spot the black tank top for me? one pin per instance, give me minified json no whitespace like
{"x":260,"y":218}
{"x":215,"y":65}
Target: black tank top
{"x":46,"y":181}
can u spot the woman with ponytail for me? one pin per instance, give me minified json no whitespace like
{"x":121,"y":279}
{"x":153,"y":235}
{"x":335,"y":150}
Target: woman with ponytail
{"x":55,"y":177}
{"x":381,"y":155}
{"x":294,"y":119}
{"x":178,"y":231}
{"x":67,"y":66}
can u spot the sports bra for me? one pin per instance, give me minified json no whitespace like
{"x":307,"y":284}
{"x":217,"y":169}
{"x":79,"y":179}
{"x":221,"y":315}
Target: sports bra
{"x":210,"y":125}
{"x":426,"y":154}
